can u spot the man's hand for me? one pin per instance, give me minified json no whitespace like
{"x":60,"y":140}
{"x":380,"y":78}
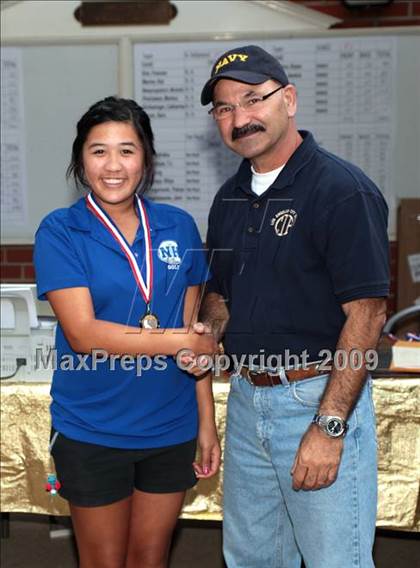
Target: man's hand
{"x":317,"y":460}
{"x":188,"y":359}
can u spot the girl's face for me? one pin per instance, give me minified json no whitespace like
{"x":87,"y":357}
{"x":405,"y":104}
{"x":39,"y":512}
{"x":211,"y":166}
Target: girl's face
{"x":113,"y":162}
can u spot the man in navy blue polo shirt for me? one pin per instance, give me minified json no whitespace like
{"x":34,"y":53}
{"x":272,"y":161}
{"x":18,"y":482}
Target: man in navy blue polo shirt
{"x":299,"y":256}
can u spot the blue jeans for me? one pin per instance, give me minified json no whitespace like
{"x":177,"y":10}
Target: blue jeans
{"x":266,"y":523}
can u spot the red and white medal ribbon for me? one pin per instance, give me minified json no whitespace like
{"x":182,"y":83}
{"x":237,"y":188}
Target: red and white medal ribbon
{"x":145,"y":287}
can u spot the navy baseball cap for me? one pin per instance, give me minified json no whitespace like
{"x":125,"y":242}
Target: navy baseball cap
{"x":249,"y":64}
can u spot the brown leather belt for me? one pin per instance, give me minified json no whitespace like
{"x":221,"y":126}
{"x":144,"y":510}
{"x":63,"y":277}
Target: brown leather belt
{"x":265,"y":379}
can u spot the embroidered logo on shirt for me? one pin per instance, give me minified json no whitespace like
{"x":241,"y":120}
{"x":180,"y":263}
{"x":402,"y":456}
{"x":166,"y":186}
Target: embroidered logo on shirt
{"x":283,"y":221}
{"x":168,"y":252}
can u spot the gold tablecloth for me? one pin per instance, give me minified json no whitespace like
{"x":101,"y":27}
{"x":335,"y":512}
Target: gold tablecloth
{"x":25,"y":461}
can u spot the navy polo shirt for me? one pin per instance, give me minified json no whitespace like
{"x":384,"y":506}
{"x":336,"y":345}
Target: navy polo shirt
{"x":286,"y":261}
{"x":110,"y":405}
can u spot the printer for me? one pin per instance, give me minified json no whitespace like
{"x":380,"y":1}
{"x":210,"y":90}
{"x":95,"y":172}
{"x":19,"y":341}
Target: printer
{"x":27,"y":340}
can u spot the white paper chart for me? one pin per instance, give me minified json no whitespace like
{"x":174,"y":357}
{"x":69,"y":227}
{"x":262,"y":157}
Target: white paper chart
{"x":345,"y":97}
{"x":14,"y":204}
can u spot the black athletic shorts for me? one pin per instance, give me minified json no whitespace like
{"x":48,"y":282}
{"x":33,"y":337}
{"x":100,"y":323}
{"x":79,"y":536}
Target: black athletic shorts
{"x":93,"y":475}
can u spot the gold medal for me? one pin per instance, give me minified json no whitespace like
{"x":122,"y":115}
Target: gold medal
{"x":149,"y":321}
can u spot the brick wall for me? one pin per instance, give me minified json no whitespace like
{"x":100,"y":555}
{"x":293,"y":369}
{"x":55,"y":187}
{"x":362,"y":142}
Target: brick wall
{"x":398,"y":13}
{"x":16,"y":263}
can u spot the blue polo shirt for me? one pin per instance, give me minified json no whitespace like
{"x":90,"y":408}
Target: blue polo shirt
{"x":112,"y":405}
{"x":286,"y":261}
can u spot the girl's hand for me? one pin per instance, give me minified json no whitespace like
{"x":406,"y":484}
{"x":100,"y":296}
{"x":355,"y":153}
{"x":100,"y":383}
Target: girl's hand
{"x":209,"y":451}
{"x":198,"y":349}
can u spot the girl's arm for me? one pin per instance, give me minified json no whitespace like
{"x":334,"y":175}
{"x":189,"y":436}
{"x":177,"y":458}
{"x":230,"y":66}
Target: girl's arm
{"x":208,"y":441}
{"x":74,"y":310}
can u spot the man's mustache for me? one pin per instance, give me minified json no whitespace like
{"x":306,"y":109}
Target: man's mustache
{"x":247,"y":129}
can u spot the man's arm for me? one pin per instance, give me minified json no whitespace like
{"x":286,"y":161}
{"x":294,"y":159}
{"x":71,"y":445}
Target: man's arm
{"x":214,"y":314}
{"x":318,"y":457}
{"x":212,"y":319}
{"x":365,"y":320}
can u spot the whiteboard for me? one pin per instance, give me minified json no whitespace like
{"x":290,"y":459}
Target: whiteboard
{"x":57,"y":85}
{"x":347,"y":96}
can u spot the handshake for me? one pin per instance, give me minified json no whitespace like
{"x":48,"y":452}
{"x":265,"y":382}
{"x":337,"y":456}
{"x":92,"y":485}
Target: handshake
{"x":197,"y":352}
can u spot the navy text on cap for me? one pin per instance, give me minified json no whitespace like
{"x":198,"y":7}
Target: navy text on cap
{"x":249,"y":64}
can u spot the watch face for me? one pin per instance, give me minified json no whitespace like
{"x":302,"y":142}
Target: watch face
{"x":334,"y":427}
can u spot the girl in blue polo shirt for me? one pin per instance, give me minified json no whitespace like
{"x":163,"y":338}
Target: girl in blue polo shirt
{"x":122,"y":275}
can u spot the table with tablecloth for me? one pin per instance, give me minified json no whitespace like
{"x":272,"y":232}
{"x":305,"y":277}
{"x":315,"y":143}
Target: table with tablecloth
{"x":25,"y":462}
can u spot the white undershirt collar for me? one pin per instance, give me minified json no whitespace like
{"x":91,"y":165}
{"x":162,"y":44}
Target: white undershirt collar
{"x":261,"y":182}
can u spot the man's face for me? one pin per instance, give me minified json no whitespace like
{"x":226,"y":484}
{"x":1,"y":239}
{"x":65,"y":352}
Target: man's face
{"x":257,"y":131}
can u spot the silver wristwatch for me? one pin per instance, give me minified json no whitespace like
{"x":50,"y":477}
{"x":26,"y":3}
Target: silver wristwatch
{"x":333,"y":426}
